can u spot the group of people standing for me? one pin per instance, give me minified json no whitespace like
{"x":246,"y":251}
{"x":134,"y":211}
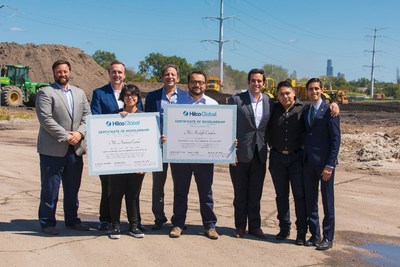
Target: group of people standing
{"x":303,"y":141}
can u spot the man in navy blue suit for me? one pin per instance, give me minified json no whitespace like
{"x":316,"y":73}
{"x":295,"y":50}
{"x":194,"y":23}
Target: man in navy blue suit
{"x":321,"y":148}
{"x":155,"y":102}
{"x":105,"y":100}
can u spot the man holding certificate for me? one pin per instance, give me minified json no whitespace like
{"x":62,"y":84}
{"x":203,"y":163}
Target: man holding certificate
{"x":203,"y":172}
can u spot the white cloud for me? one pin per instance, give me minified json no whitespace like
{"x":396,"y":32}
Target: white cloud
{"x":16,"y":29}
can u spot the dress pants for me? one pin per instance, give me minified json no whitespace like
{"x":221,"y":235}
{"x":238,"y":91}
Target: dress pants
{"x":182,"y":176}
{"x":248,"y":181}
{"x":312,"y":179}
{"x":104,"y":200}
{"x":53,"y":171}
{"x":129,"y":185}
{"x":285,"y":170}
{"x":159,"y":179}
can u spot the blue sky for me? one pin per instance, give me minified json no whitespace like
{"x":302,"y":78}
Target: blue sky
{"x":299,"y":35}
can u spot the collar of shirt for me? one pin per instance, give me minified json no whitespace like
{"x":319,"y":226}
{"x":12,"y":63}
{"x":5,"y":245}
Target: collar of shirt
{"x":66,"y":89}
{"x":253,"y":99}
{"x":317,"y":105}
{"x":174,"y":96}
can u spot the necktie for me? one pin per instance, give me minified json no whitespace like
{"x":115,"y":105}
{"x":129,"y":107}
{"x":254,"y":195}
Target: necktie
{"x":312,"y":115}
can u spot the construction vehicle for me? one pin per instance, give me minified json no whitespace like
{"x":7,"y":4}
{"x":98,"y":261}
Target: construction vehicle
{"x":339,"y":96}
{"x":213,"y":84}
{"x":270,"y":88}
{"x":16,"y":89}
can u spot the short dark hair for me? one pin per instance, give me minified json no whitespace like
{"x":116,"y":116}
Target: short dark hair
{"x":61,"y":62}
{"x":170,"y":66}
{"x":256,"y":71}
{"x":196,"y":72}
{"x":314,"y":80}
{"x":283,"y":84}
{"x":116,"y":62}
{"x":129,"y":89}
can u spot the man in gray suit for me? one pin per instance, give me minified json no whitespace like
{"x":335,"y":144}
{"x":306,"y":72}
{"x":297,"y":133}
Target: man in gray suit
{"x":247,"y":174}
{"x":61,"y":110}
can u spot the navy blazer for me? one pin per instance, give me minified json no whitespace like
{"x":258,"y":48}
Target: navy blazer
{"x":104,"y":102}
{"x":247,"y":133}
{"x":322,"y":142}
{"x":153,"y":99}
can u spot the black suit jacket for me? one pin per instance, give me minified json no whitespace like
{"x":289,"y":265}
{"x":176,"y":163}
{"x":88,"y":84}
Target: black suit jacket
{"x":250,"y":136}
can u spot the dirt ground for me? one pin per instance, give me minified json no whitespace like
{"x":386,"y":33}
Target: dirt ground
{"x":367,"y":191}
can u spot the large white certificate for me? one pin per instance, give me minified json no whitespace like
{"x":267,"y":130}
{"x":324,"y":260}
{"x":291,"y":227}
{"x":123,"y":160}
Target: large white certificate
{"x":124,"y":145}
{"x":199,"y":133}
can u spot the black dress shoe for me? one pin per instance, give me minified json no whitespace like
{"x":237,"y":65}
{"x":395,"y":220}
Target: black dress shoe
{"x":258,"y":233}
{"x":325,"y":244}
{"x":283,"y":234}
{"x":79,"y":227}
{"x":313,"y":241}
{"x":300,"y":239}
{"x":158,"y":223}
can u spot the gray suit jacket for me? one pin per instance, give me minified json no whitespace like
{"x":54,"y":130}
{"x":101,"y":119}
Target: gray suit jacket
{"x":56,"y":120}
{"x":248,"y":135}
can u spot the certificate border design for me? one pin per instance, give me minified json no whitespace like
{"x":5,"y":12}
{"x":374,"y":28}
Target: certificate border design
{"x":90,"y":120}
{"x":208,"y":108}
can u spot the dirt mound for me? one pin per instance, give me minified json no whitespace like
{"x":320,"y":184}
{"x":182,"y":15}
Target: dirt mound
{"x":86,"y":73}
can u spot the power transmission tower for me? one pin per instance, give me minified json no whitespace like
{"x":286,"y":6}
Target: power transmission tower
{"x":221,"y":40}
{"x":373,"y":59}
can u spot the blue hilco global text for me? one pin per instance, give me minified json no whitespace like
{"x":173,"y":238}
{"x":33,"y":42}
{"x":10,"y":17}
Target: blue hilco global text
{"x":122,"y":123}
{"x":203,"y":114}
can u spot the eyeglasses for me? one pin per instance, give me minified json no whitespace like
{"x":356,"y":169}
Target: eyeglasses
{"x":130,"y":95}
{"x":201,"y":83}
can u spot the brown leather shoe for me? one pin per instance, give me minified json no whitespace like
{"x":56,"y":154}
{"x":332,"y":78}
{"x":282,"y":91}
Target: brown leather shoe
{"x":211,"y":233}
{"x":50,"y":231}
{"x":258,"y":233}
{"x":176,"y":232}
{"x":239,"y":233}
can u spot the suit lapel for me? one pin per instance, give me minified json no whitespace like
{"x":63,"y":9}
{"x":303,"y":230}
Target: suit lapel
{"x":111,"y":97}
{"x":247,"y":103}
{"x":266,"y":110}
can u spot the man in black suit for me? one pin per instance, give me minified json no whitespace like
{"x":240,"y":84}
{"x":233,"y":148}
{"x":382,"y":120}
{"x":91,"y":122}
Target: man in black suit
{"x":155,"y":102}
{"x":248,"y":173}
{"x":321,"y":148}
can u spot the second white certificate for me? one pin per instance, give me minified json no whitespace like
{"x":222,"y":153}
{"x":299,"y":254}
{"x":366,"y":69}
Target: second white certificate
{"x":199,"y":133}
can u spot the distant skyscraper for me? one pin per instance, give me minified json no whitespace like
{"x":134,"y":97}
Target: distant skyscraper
{"x":340,"y":75}
{"x":329,"y":68}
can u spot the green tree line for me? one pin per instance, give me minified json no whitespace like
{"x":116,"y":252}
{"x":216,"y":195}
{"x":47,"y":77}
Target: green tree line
{"x":234,"y":80}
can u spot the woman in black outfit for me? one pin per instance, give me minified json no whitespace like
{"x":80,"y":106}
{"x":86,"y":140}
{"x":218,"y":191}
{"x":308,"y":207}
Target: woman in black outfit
{"x":128,"y":184}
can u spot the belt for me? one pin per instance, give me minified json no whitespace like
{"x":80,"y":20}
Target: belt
{"x":286,"y":152}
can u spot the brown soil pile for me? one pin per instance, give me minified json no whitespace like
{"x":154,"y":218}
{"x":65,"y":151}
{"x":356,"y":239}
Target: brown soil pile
{"x":86,"y":73}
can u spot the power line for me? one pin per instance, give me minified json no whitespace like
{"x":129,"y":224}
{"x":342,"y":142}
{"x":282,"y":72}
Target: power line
{"x":221,"y":40}
{"x":373,"y":51}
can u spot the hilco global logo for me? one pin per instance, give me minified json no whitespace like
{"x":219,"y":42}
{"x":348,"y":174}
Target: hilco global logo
{"x":199,"y":114}
{"x":121,"y":123}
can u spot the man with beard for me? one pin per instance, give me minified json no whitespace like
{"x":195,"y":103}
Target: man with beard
{"x":203,"y":172}
{"x":61,"y":110}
